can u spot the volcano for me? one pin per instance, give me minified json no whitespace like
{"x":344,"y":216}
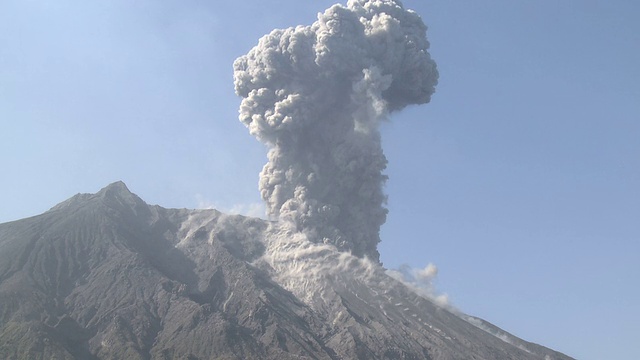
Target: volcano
{"x":107,"y":276}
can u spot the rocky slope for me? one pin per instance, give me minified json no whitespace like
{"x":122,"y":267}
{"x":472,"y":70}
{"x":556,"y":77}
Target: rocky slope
{"x":106,"y":276}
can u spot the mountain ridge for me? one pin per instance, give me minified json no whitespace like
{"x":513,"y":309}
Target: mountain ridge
{"x":106,"y":276}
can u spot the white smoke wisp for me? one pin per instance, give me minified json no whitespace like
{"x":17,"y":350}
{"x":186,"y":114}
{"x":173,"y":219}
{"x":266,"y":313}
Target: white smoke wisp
{"x":256,"y":210}
{"x":316,"y":95}
{"x":421,"y":281}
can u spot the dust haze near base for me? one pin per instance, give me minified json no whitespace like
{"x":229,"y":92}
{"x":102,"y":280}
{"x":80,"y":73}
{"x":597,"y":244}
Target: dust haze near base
{"x":315,"y":95}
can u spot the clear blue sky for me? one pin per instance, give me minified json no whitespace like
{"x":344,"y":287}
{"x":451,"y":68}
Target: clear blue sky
{"x":520,"y":181}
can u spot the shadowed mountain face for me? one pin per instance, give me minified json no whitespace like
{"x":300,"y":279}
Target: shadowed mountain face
{"x":106,"y":276}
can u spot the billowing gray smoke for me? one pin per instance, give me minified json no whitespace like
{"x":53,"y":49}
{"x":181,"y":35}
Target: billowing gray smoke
{"x":316,"y":95}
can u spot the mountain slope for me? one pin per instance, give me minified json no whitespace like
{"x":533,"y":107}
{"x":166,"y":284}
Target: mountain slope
{"x":106,"y":276}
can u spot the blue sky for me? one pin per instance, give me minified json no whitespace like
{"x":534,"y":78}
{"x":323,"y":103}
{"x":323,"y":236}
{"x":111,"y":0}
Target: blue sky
{"x":520,"y":180}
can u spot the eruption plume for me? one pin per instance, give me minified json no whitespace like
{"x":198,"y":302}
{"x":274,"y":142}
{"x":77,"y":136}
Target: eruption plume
{"x":316,"y":95}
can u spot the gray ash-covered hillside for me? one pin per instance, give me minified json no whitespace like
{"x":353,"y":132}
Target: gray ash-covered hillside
{"x":106,"y":276}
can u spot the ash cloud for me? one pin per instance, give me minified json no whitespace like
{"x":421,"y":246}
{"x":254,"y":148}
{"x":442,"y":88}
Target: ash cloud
{"x":315,"y":95}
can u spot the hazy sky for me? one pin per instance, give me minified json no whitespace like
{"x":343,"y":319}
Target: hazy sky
{"x":520,"y":180}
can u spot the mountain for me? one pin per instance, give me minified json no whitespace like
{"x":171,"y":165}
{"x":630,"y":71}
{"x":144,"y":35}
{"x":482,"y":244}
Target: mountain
{"x":107,"y":276}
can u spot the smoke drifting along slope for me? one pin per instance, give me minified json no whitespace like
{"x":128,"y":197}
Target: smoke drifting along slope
{"x":316,"y":95}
